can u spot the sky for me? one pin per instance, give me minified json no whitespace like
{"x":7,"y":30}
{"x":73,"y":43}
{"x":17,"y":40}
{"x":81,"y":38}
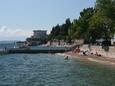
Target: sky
{"x":18,"y":18}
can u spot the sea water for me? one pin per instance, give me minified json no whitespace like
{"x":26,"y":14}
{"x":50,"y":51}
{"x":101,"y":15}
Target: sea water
{"x":7,"y":45}
{"x":53,"y":70}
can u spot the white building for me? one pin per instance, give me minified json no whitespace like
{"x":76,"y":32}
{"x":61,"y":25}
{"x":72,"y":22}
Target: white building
{"x":40,"y":34}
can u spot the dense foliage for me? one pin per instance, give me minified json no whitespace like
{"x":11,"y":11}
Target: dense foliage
{"x":93,"y":23}
{"x":60,"y":32}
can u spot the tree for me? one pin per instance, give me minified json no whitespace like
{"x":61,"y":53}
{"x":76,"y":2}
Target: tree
{"x":102,"y":22}
{"x":64,"y":28}
{"x":80,"y":27}
{"x":100,"y":26}
{"x":73,"y":30}
{"x":60,"y":31}
{"x":55,"y":32}
{"x":107,"y":8}
{"x":92,"y":24}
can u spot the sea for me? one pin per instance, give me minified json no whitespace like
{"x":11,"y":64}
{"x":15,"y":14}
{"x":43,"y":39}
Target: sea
{"x":53,"y":70}
{"x":7,"y":44}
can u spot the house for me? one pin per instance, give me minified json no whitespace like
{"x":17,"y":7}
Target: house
{"x":40,"y":34}
{"x":38,"y":37}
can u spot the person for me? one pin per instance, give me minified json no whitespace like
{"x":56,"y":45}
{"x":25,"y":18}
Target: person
{"x":97,"y":54}
{"x":77,"y":50}
{"x":67,"y":57}
{"x":84,"y":53}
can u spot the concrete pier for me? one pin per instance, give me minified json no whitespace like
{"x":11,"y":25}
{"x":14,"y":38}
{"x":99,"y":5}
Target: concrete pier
{"x":41,"y":49}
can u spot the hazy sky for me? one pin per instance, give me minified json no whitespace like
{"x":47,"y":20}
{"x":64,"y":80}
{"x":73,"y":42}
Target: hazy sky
{"x":19,"y":17}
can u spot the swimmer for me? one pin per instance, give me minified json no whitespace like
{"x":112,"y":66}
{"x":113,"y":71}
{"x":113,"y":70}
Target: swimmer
{"x":67,"y":57}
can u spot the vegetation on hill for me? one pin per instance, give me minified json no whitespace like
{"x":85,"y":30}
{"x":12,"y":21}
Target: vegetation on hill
{"x":92,"y":24}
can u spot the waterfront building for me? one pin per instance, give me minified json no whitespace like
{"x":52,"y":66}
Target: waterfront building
{"x":38,"y":37}
{"x":40,"y":34}
{"x":21,"y":43}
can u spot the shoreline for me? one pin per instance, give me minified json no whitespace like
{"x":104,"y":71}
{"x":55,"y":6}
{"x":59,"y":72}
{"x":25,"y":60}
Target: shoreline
{"x":92,"y":58}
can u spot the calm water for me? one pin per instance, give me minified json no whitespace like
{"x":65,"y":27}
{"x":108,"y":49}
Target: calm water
{"x":53,"y":70}
{"x":7,"y":45}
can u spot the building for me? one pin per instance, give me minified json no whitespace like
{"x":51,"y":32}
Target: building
{"x":38,"y":37}
{"x":40,"y":34}
{"x":21,"y":44}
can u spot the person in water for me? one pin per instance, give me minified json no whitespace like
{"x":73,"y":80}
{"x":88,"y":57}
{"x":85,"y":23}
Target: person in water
{"x":67,"y":57}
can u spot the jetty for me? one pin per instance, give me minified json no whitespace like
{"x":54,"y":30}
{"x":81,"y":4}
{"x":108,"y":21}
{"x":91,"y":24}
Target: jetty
{"x":41,"y":49}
